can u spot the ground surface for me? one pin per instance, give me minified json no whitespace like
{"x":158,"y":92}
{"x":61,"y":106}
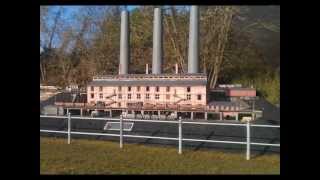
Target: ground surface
{"x":105,"y":157}
{"x":50,"y":161}
{"x":213,"y":132}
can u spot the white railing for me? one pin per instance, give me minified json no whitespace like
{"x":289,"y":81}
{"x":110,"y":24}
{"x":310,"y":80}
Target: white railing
{"x":180,"y":139}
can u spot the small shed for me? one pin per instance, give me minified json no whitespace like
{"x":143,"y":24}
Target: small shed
{"x":241,"y":92}
{"x":52,"y":110}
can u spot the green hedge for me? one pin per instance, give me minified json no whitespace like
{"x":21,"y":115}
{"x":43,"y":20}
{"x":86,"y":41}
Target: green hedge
{"x":267,"y":85}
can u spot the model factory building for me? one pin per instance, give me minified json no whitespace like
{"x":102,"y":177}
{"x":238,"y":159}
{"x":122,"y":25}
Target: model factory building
{"x":159,"y":95}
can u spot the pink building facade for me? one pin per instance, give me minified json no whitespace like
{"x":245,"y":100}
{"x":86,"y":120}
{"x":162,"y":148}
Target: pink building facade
{"x":123,"y":91}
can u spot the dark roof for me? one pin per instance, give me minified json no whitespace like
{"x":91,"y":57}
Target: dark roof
{"x":270,"y":111}
{"x":223,"y":103}
{"x":68,"y":97}
{"x":131,"y":82}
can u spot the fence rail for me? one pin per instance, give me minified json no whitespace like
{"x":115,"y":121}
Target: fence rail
{"x":180,"y":139}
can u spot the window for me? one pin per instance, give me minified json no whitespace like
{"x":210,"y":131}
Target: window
{"x":199,"y":96}
{"x":92,"y":88}
{"x":119,"y":104}
{"x":138,"y":96}
{"x":119,"y":96}
{"x":138,"y":88}
{"x":147,"y":96}
{"x":188,"y":89}
{"x":92,"y":95}
{"x":129,"y":96}
{"x":129,"y":88}
{"x":188,"y":96}
{"x":119,"y":88}
{"x":100,"y":88}
{"x":157,"y":88}
{"x":168,"y":88}
{"x":147,"y":88}
{"x":168,"y":96}
{"x":101,"y":96}
{"x":156,"y":96}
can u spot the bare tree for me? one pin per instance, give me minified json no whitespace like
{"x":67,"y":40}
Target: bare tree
{"x":217,"y":24}
{"x":50,"y":32}
{"x":175,"y":36}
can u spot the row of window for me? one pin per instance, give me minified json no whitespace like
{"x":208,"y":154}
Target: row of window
{"x":214,"y":107}
{"x":157,"y":96}
{"x":138,"y":88}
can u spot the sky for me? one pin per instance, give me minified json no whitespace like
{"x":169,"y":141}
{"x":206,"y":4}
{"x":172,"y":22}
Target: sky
{"x":131,"y":7}
{"x":69,"y":11}
{"x":260,"y":12}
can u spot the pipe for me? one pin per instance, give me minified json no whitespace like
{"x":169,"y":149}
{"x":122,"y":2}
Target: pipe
{"x":193,"y":56}
{"x":157,"y":42}
{"x":124,"y":43}
{"x":177,"y":69}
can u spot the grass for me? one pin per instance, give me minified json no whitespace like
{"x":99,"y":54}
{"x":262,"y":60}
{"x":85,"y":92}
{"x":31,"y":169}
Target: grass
{"x":105,"y":157}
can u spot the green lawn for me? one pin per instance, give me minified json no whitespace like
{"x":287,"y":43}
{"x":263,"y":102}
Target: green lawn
{"x":104,"y":157}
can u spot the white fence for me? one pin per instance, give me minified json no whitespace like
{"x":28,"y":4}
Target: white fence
{"x":180,"y":139}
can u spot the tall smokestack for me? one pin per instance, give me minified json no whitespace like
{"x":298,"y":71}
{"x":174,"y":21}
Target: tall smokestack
{"x":157,"y":42}
{"x":193,"y":56}
{"x":147,"y":68}
{"x":124,"y":43}
{"x":177,"y":69}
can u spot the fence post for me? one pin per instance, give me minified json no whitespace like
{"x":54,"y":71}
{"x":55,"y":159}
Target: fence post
{"x":248,"y":140}
{"x":180,"y":135}
{"x":121,"y":136}
{"x":69,"y":127}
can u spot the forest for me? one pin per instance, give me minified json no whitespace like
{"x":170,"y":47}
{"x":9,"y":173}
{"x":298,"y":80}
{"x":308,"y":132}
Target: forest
{"x":238,"y":44}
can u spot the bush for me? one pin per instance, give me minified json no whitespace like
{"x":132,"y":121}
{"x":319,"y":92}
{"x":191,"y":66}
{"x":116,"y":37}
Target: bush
{"x":267,"y":85}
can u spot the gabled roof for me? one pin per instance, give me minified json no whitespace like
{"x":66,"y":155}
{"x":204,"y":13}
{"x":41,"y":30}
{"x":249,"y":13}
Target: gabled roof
{"x":129,"y":76}
{"x":197,"y":79}
{"x":149,"y":83}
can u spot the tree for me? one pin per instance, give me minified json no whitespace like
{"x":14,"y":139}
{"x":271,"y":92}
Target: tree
{"x":47,"y":34}
{"x":177,"y":32}
{"x":216,"y":27}
{"x":75,"y":47}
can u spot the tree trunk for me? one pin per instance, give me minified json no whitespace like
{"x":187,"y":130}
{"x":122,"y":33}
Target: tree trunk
{"x":222,"y":38}
{"x":42,"y":73}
